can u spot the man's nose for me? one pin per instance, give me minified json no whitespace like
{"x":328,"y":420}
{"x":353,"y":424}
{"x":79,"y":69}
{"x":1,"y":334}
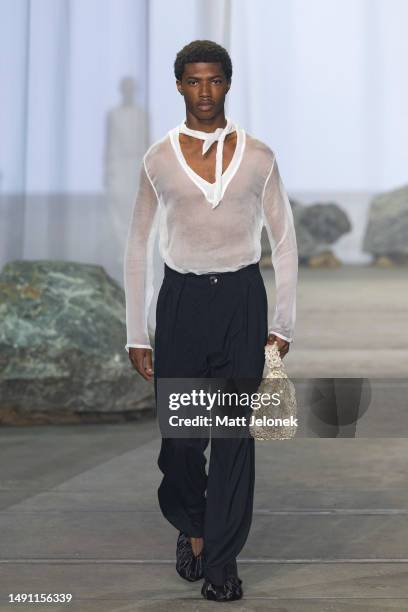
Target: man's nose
{"x":205,"y":90}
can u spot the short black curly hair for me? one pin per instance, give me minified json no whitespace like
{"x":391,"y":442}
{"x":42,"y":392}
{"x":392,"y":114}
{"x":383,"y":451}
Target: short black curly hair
{"x":203,"y":51}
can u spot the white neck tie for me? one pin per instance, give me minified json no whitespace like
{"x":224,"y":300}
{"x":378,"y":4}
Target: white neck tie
{"x":209,"y":139}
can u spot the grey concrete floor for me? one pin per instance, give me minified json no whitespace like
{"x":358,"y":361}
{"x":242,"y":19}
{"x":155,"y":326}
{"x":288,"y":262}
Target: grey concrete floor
{"x":79,"y":514}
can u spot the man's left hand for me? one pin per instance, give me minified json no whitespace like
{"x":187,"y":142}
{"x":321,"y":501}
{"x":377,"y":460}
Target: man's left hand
{"x":283,"y":345}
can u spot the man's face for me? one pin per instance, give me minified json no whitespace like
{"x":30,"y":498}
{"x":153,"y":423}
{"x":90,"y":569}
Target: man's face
{"x":204,"y":87}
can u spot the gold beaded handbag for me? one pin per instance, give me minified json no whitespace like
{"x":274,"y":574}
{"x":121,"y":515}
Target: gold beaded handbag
{"x":275,"y":419}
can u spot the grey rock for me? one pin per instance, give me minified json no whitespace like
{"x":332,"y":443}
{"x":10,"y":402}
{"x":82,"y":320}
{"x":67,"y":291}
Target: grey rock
{"x":387,"y":227}
{"x":317,"y":226}
{"x":326,"y":222}
{"x":62,"y":338}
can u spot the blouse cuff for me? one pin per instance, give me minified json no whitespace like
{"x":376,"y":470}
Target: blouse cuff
{"x":138,"y":346}
{"x":271,"y":331}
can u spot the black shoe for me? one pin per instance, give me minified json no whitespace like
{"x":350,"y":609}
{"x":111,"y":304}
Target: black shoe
{"x":188,"y":566}
{"x":229,"y":591}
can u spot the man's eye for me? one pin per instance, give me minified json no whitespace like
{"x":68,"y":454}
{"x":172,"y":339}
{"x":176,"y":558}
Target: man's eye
{"x":218,"y":81}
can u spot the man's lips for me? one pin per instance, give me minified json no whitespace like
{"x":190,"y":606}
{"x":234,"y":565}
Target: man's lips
{"x":205,"y":105}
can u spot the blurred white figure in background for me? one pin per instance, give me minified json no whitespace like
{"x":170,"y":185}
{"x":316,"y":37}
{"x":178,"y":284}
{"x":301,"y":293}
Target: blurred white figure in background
{"x":126,"y":142}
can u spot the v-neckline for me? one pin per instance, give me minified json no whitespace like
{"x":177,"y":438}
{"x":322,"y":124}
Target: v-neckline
{"x":205,"y":186}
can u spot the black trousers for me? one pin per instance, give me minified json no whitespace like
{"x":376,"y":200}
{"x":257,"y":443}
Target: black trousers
{"x":210,"y":326}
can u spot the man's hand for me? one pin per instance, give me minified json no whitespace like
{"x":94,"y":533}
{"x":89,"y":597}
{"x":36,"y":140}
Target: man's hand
{"x":141,"y":359}
{"x":283,"y":345}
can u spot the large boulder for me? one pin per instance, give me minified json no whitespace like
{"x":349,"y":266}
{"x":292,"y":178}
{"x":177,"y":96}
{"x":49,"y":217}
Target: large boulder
{"x":326,"y":222}
{"x":386,"y":235}
{"x":62,"y":338}
{"x":317,"y":226}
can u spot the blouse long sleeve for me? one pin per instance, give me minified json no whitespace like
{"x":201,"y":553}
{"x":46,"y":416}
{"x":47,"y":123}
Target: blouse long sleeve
{"x":278,"y":220}
{"x":138,"y":262}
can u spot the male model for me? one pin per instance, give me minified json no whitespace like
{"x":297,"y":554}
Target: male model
{"x":208,"y":187}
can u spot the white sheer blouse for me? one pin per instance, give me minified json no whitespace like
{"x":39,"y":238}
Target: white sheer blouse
{"x":199,"y":234}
